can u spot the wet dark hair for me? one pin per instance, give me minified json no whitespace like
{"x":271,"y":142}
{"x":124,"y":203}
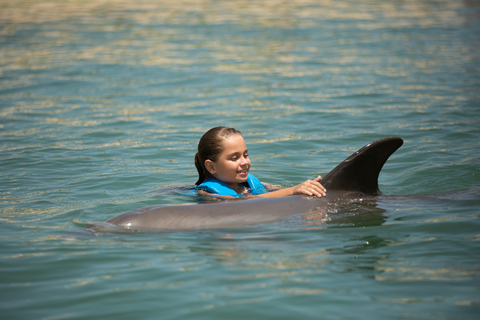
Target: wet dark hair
{"x":209,"y":148}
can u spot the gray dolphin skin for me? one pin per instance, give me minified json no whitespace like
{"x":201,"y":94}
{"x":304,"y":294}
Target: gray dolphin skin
{"x":356,"y":176}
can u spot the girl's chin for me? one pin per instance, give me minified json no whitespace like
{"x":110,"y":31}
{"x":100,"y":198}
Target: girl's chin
{"x":242,"y":176}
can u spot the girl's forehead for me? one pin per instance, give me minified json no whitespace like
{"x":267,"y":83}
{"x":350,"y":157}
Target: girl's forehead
{"x":234,"y":142}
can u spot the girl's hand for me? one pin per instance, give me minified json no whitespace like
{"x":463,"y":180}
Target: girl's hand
{"x":311,"y":188}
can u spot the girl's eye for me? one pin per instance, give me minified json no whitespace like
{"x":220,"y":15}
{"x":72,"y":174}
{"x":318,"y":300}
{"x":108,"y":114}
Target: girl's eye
{"x":235,"y":158}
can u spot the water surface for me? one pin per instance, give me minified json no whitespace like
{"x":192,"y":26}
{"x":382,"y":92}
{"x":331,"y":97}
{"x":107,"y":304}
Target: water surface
{"x":102,"y":104}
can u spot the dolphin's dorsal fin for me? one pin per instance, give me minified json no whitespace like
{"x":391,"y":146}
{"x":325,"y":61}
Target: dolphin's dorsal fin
{"x":359,"y":172}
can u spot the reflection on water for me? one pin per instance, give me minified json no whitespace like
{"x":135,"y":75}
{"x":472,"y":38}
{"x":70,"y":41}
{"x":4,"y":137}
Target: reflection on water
{"x":160,"y":34}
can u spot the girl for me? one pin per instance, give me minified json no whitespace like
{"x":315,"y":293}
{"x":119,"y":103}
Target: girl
{"x":223,"y":167}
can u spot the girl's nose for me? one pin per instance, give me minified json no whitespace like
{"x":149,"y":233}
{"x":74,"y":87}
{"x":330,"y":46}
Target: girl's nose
{"x":244,"y":161}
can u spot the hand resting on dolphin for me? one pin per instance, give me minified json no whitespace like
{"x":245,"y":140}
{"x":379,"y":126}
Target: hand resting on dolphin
{"x":356,"y":176}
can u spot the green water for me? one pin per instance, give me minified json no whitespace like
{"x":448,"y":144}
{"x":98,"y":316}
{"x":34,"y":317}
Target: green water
{"x":102,"y":104}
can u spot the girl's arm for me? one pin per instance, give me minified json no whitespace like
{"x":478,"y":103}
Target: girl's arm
{"x":272,"y":187}
{"x":309,"y":187}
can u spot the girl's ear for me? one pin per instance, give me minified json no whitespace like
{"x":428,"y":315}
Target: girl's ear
{"x":210,"y":166}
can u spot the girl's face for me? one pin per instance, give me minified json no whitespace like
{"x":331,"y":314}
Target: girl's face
{"x":233,"y":164}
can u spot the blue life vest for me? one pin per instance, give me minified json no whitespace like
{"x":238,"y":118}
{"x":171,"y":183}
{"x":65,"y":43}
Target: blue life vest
{"x":213,"y":185}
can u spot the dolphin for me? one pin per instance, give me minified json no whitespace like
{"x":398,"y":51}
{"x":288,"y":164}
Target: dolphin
{"x":355,"y":177}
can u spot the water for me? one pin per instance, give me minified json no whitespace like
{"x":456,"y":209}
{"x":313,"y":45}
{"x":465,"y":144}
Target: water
{"x":103,"y":103}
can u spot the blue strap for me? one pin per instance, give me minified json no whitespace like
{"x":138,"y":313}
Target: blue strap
{"x":216,"y":186}
{"x":213,"y":185}
{"x":256,"y":187}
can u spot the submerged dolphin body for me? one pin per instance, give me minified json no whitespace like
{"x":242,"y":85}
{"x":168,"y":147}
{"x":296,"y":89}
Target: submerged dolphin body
{"x":356,"y":176}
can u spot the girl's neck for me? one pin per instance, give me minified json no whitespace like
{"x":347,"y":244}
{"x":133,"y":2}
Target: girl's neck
{"x":237,"y":187}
